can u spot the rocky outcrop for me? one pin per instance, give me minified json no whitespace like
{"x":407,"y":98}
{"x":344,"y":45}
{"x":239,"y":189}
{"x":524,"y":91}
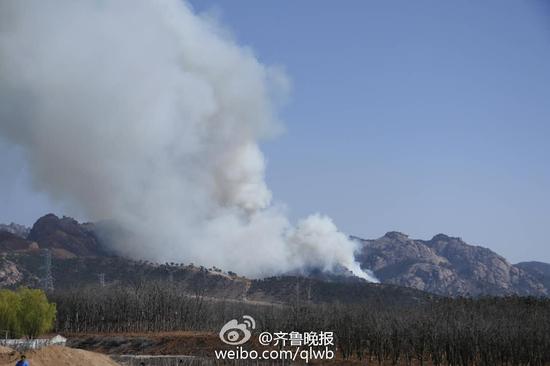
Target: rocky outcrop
{"x":12,"y":242}
{"x":65,"y":236}
{"x":445,"y":265}
{"x":539,"y":270}
{"x":9,"y":273}
{"x":16,"y":229}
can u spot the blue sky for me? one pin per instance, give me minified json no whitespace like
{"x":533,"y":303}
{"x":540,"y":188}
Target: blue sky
{"x":417,"y":116}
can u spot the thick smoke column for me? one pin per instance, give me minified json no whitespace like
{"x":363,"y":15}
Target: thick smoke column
{"x":146,"y":113}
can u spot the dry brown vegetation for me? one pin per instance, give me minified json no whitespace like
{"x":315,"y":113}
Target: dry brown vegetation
{"x":443,"y":331}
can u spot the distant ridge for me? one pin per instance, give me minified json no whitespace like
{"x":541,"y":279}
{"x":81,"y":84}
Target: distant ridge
{"x":447,"y":265}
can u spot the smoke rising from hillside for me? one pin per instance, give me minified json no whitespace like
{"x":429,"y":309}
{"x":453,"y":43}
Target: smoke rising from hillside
{"x":146,"y":113}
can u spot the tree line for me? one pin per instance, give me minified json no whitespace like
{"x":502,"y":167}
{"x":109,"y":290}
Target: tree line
{"x":444,"y":331}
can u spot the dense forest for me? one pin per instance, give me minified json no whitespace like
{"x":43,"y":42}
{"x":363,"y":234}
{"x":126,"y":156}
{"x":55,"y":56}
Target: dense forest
{"x":442,"y":331}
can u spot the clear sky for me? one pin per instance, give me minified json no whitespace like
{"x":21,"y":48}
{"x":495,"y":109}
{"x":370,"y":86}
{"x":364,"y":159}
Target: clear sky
{"x":417,"y":116}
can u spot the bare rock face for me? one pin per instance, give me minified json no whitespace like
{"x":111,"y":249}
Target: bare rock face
{"x":65,"y":235}
{"x":12,"y":242}
{"x":16,"y":229}
{"x":538,"y":270}
{"x":447,"y":266}
{"x":9,"y":274}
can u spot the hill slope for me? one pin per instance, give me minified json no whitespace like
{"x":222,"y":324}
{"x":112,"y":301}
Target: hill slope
{"x":446,"y":265}
{"x":442,"y":265}
{"x":538,"y":270}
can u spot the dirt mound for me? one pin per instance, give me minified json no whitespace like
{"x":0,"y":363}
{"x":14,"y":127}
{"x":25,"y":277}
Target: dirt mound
{"x":6,"y":350}
{"x":8,"y":356}
{"x":58,"y":356}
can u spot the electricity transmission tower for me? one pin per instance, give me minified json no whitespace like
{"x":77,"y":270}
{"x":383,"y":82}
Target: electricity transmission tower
{"x":47,"y":280}
{"x":101,"y":279}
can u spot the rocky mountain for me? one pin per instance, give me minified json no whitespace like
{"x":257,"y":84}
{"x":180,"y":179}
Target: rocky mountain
{"x":446,"y":265}
{"x":443,"y":265}
{"x":66,"y":237}
{"x":78,"y":260}
{"x":12,"y":242}
{"x":539,"y":270}
{"x":16,"y":229}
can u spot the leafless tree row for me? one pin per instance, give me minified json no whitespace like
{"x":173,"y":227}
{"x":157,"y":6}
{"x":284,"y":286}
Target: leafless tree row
{"x":489,"y":331}
{"x":153,"y":306}
{"x":505,"y":331}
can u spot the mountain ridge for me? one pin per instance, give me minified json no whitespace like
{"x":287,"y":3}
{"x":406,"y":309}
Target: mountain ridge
{"x":443,"y":265}
{"x":446,"y":265}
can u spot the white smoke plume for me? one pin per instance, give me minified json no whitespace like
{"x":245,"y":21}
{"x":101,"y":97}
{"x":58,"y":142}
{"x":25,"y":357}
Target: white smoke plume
{"x":146,"y":113}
